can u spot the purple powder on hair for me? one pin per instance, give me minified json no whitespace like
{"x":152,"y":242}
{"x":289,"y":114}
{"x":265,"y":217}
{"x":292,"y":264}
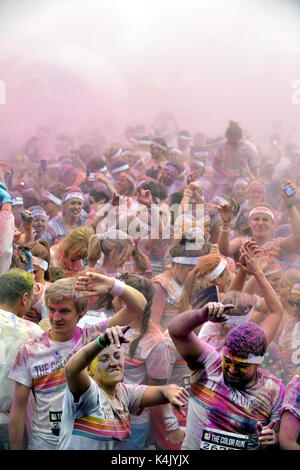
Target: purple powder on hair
{"x":246,"y":339}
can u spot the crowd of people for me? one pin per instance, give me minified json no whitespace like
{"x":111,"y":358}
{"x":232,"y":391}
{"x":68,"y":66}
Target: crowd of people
{"x":149,"y":291}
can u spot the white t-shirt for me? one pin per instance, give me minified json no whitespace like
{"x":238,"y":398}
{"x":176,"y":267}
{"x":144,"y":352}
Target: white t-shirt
{"x":96,"y":422}
{"x":215,"y":404}
{"x":14,"y":331}
{"x":40,"y":365}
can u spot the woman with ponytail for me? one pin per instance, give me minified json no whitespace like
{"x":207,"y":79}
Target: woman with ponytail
{"x":146,"y":361}
{"x":116,"y":252}
{"x":185,"y":254}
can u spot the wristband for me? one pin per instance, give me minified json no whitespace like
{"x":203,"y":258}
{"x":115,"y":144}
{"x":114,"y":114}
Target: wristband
{"x":188,"y":193}
{"x":291,"y":204}
{"x":118,"y":288}
{"x":99,"y":344}
{"x":225,"y":229}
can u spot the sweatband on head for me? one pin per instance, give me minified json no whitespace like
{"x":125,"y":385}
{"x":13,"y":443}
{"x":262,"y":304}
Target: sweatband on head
{"x":51,"y":197}
{"x":217,"y":271}
{"x":38,"y":212}
{"x":119,"y":169}
{"x":184,"y":137}
{"x":117,"y":154}
{"x":171,"y":168}
{"x":17,"y":201}
{"x":261,"y":210}
{"x":128,"y":177}
{"x":239,"y":319}
{"x":159,"y":146}
{"x":40,"y":262}
{"x":73,"y":194}
{"x":104,"y":168}
{"x":201,"y":154}
{"x":176,"y":150}
{"x":240,"y":181}
{"x":251,"y":359}
{"x":186,"y":260}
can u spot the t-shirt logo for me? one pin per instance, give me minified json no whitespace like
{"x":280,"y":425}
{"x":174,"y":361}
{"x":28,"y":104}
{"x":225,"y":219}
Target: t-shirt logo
{"x":55,"y":419}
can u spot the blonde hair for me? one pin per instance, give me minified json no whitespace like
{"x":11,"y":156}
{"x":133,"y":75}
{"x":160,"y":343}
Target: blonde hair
{"x":77,"y":241}
{"x":112,"y":240}
{"x":64,"y":289}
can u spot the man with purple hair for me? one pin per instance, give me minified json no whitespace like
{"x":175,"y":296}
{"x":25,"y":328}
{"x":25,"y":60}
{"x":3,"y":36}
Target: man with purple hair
{"x":234,"y":404}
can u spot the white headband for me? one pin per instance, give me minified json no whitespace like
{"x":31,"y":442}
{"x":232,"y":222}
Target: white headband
{"x":217,"y":271}
{"x":51,"y":197}
{"x":159,"y":146}
{"x":126,"y":152}
{"x":251,"y":359}
{"x":120,"y":168}
{"x":184,"y":137}
{"x":17,"y":201}
{"x":73,"y":194}
{"x":40,"y":262}
{"x":198,"y":162}
{"x":239,"y":319}
{"x":261,"y":210}
{"x":186,"y":260}
{"x":176,"y":150}
{"x":273,"y":271}
{"x":201,"y":154}
{"x":145,"y":142}
{"x":104,"y":168}
{"x":240,"y":181}
{"x":116,"y":155}
{"x":37,"y":212}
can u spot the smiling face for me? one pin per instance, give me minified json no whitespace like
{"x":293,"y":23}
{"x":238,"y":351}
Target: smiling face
{"x":108,"y":367}
{"x":39,"y":224}
{"x":72,"y":207}
{"x":238,"y":373}
{"x":240,"y":192}
{"x":256,"y":194}
{"x":261,"y":225}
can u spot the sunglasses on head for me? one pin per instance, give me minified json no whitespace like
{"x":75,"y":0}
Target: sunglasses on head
{"x":292,"y":303}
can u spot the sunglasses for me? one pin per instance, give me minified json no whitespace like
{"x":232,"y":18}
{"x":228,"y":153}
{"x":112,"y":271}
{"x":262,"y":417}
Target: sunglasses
{"x":292,"y":303}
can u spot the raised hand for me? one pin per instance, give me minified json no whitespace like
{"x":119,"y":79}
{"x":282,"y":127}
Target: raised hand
{"x":94,"y":284}
{"x":4,"y":196}
{"x":114,"y":335}
{"x":225,"y":212}
{"x":216,"y":312}
{"x":177,"y":396}
{"x":144,"y":197}
{"x":288,"y":199}
{"x":266,"y":434}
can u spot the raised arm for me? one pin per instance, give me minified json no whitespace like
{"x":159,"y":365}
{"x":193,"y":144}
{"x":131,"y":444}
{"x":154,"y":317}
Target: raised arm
{"x":226,"y":246}
{"x":7,"y":225}
{"x":77,"y":377}
{"x":275,"y":309}
{"x":181,"y":329}
{"x":292,"y":242}
{"x":94,"y":284}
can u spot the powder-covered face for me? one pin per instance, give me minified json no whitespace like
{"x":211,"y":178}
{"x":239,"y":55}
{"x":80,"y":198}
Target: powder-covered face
{"x":240,"y":192}
{"x":261,"y":224}
{"x":255,"y":194}
{"x":63,"y":317}
{"x":237,"y":372}
{"x":108,"y":367}
{"x":72,"y":207}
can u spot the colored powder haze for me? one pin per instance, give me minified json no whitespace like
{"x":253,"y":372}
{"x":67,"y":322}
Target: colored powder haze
{"x":76,"y":64}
